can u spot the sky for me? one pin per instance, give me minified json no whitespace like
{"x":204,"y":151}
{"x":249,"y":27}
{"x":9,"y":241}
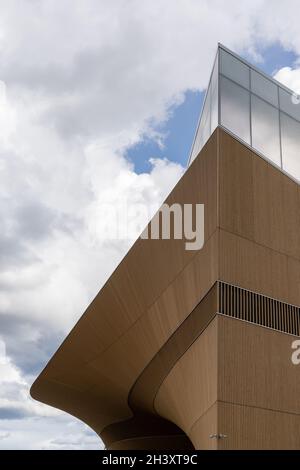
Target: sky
{"x":99,"y":101}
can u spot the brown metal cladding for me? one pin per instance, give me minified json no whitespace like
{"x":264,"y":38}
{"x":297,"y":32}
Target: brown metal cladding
{"x":101,"y":371}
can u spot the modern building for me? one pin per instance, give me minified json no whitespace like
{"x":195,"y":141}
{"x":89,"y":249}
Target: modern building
{"x":192,"y":349}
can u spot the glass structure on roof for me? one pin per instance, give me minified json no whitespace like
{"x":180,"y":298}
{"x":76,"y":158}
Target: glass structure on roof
{"x":255,"y":108}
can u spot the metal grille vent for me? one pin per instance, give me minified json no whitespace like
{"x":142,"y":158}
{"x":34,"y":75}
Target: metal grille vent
{"x":256,"y":308}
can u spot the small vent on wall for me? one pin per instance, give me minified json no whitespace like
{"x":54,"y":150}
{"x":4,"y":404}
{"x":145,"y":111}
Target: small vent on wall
{"x":256,"y":308}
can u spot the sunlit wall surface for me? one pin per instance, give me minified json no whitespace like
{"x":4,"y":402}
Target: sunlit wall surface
{"x":254,"y":107}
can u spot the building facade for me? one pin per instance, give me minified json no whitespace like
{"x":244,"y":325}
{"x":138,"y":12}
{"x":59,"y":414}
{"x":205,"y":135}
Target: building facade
{"x":192,"y":349}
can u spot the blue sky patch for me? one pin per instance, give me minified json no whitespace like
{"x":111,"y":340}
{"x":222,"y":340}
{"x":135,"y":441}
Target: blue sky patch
{"x":181,"y":126}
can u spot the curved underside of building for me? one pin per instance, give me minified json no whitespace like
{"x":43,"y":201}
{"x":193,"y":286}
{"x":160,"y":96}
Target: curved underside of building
{"x":191,"y":349}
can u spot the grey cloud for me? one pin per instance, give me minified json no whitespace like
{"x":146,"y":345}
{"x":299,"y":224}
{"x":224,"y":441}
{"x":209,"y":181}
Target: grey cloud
{"x":30,"y":356}
{"x":49,"y":78}
{"x":35,"y":221}
{"x":20,"y":224}
{"x":74,"y":441}
{"x":87,"y":437}
{"x":11,"y":390}
{"x":13,"y":252}
{"x":29,"y":222}
{"x":86,"y":96}
{"x":13,"y":413}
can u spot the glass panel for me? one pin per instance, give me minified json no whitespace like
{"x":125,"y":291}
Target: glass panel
{"x":234,"y":69}
{"x":290,"y":136}
{"x":289,"y":103}
{"x":195,"y":146}
{"x":235,"y":109}
{"x":214,"y":109}
{"x":265,"y":129}
{"x":264,"y":88}
{"x":214,"y":97}
{"x":204,"y":129}
{"x":193,"y":154}
{"x":198,"y":142}
{"x":203,"y":132}
{"x":214,"y":76}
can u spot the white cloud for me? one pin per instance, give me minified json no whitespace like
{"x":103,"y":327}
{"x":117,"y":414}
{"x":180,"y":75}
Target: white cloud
{"x":290,"y":77}
{"x":81,"y":82}
{"x":38,"y":433}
